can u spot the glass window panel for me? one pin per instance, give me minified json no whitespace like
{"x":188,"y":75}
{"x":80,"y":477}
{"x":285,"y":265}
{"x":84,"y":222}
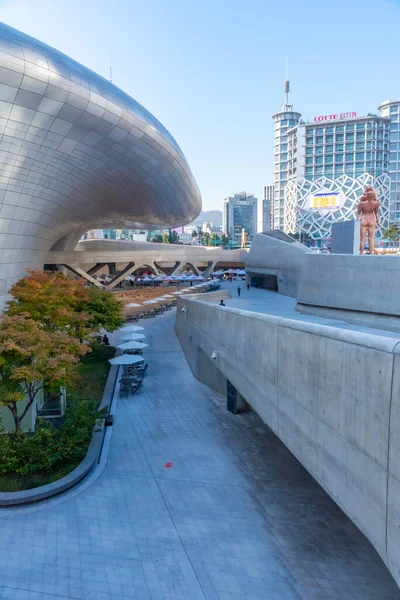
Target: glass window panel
{"x":339,"y":137}
{"x":329,"y":139}
{"x":350,"y":128}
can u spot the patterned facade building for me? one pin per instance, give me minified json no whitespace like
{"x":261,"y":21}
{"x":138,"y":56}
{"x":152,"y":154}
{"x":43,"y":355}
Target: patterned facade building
{"x":328,"y":163}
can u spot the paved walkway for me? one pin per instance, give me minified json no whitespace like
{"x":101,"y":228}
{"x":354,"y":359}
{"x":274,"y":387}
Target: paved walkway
{"x":194,"y":504}
{"x":272,"y":303}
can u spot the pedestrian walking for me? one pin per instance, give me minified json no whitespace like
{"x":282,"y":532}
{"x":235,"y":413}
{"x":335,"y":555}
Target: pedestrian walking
{"x":222,"y":303}
{"x":239,"y":289}
{"x":248,"y":286}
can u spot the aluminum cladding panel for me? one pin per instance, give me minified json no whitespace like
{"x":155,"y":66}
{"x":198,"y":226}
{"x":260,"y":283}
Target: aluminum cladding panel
{"x":77,"y":153}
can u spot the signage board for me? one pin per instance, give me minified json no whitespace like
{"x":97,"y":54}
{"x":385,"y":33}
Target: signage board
{"x":324,"y":200}
{"x":335,"y":117}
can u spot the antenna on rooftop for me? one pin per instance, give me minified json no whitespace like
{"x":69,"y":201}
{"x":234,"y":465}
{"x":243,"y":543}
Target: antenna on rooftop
{"x":286,"y":85}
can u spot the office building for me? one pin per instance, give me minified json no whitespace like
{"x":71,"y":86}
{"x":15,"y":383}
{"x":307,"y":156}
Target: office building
{"x":239,"y":212}
{"x":390,"y":109}
{"x":331,"y":161}
{"x":265,"y":209}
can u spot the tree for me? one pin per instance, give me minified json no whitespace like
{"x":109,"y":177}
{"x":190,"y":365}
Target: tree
{"x":165,"y":239}
{"x":225,"y":239}
{"x":61,"y":304}
{"x":215,"y":239}
{"x":207,"y":239}
{"x":32,"y":358}
{"x":173,"y":237}
{"x":200,"y":234}
{"x":104,"y":310}
{"x":157,"y":238}
{"x":392,"y":232}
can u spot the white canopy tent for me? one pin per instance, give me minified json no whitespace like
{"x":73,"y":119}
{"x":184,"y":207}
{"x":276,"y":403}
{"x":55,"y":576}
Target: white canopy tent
{"x":132,"y":345}
{"x":131,"y":328}
{"x":126,"y":359}
{"x":128,"y":337}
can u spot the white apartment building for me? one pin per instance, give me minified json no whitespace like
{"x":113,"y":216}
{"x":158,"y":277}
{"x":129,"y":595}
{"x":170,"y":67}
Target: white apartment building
{"x":328,"y":162}
{"x":390,"y":109}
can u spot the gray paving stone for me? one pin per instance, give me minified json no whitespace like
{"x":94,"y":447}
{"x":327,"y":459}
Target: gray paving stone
{"x":236,"y":517}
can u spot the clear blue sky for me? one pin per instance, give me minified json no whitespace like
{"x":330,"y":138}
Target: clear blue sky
{"x":212,"y":71}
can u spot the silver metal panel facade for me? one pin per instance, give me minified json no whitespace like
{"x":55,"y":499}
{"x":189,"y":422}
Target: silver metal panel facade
{"x":77,"y":153}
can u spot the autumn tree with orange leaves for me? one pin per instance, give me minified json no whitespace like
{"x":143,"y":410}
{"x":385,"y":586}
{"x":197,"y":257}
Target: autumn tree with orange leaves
{"x":41,"y":335}
{"x":32,"y":358}
{"x":63,"y":304}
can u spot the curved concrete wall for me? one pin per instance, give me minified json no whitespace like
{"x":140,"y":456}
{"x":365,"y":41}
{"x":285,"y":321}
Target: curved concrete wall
{"x":77,"y":153}
{"x":276,"y":253}
{"x":331,"y":395}
{"x":359,"y":289}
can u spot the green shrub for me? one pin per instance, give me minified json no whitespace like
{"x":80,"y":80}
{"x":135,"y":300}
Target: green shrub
{"x":48,"y":446}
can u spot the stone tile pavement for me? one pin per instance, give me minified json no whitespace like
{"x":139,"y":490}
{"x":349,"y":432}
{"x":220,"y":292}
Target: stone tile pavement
{"x":235,"y":516}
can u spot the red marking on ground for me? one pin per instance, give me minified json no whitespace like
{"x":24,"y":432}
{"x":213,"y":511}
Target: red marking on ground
{"x":168,"y":465}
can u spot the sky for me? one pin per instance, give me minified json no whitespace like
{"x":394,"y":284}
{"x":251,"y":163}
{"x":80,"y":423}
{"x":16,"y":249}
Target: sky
{"x":212,"y":71}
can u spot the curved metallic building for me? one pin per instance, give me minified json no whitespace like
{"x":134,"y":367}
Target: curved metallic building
{"x":77,"y":153}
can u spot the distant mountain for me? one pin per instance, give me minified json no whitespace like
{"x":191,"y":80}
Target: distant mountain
{"x":215,"y":216}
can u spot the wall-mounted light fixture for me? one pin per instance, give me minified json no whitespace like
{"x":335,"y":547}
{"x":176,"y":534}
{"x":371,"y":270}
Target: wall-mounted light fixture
{"x":184,"y":309}
{"x":214,"y":355}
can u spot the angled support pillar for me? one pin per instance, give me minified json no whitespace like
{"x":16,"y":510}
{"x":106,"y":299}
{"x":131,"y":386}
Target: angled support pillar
{"x":96,"y":268}
{"x":208,"y":270}
{"x":194,"y":268}
{"x":156,"y":271}
{"x":127,"y":271}
{"x":169,"y":270}
{"x":81,"y":273}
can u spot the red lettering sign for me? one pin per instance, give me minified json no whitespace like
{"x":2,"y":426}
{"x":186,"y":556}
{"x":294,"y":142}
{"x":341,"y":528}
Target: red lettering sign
{"x":335,"y":117}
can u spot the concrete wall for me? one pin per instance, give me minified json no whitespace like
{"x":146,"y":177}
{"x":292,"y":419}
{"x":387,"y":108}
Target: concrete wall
{"x":331,"y":395}
{"x":276,"y":253}
{"x":366,"y":289}
{"x":345,"y":237}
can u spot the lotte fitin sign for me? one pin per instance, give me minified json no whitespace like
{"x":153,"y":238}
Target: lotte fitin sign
{"x":336,"y":117}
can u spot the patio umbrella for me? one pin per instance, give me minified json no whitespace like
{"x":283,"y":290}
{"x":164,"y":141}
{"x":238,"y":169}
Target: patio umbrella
{"x":131,"y":328}
{"x":132,"y":346}
{"x":126,"y":359}
{"x":128,"y":337}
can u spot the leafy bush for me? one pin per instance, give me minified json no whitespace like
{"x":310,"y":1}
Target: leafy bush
{"x":29,"y":453}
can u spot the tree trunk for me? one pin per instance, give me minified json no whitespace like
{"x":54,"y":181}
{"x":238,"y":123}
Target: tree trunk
{"x":14,"y":411}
